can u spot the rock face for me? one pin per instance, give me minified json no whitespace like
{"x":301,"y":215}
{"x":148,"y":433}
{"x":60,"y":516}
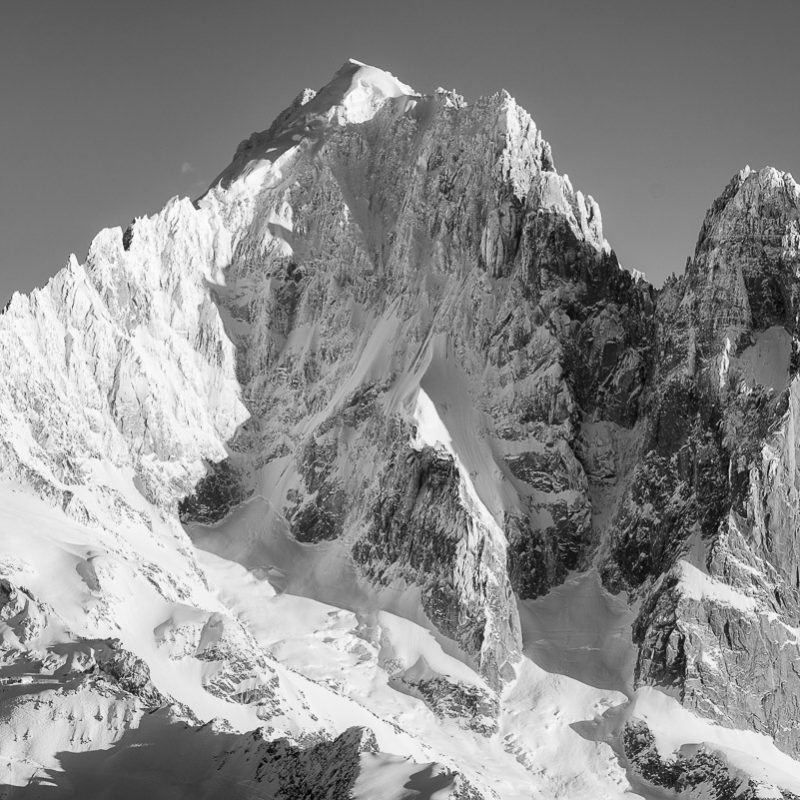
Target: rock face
{"x":716,"y":483}
{"x":387,"y":380}
{"x":697,"y":774}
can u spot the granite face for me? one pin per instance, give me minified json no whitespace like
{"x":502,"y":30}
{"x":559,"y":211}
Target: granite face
{"x":716,"y":483}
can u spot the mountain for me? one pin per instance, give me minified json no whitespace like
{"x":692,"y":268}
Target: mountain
{"x":372,"y":474}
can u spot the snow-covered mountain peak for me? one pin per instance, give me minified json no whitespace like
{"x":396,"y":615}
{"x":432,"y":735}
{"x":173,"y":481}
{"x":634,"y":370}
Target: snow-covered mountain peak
{"x":378,"y":80}
{"x":351,"y":442}
{"x":353,"y":95}
{"x":358,"y":92}
{"x":360,"y":109}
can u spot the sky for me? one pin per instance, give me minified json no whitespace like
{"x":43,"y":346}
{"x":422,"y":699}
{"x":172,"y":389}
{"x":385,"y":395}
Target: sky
{"x":108,"y":109}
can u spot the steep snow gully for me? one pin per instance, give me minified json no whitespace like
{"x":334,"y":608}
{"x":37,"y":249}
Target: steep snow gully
{"x":372,"y":474}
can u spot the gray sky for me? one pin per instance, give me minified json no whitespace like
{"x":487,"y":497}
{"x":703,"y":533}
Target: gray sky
{"x":109,"y":108}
